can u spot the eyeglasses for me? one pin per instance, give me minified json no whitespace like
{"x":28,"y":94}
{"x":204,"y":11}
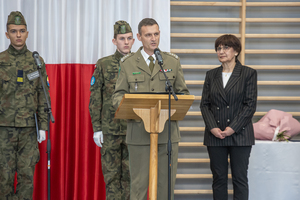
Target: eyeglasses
{"x":225,"y":48}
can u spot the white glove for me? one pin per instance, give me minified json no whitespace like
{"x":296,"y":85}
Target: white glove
{"x":41,"y":136}
{"x":98,"y":138}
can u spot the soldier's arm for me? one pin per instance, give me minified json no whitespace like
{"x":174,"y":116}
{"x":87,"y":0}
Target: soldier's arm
{"x":122,"y":87}
{"x":42,"y":115}
{"x":96,"y":98}
{"x":179,"y":84}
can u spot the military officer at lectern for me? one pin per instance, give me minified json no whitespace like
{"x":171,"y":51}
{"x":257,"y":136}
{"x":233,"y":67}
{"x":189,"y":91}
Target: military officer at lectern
{"x":140,"y":72}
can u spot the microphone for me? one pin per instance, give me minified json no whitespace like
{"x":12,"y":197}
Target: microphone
{"x":37,"y":60}
{"x":158,"y":56}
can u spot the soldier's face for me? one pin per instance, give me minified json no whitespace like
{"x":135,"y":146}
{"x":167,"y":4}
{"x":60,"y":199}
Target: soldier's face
{"x":124,"y":42}
{"x":150,"y":38}
{"x":17,"y":34}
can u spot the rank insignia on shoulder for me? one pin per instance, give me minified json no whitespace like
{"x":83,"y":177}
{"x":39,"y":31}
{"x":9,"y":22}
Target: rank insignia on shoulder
{"x":93,"y":80}
{"x":172,"y":54}
{"x":125,"y":57}
{"x":166,"y":70}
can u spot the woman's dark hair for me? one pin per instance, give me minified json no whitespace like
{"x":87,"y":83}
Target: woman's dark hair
{"x":229,"y":40}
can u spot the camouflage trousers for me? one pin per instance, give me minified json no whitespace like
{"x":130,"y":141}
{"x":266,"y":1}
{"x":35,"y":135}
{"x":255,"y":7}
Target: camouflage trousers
{"x":18,"y":153}
{"x":115,"y":167}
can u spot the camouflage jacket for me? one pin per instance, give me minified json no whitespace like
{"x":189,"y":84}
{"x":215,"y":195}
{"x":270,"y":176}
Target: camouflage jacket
{"x":102,"y":87}
{"x":20,"y":98}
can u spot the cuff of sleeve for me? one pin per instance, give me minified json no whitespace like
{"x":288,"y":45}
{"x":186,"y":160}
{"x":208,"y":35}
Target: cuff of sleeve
{"x":97,"y":128}
{"x":211,"y":126}
{"x":237,"y":128}
{"x":44,"y":126}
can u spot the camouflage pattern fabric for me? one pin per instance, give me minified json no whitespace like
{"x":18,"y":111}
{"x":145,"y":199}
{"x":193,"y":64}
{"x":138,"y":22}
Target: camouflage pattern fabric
{"x":20,"y":98}
{"x":16,"y":18}
{"x":114,"y":150}
{"x":122,"y":27}
{"x":18,"y":153}
{"x":102,"y":87}
{"x":115,"y":167}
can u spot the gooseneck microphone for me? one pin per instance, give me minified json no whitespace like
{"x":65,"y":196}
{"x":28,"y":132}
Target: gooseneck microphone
{"x":37,"y":60}
{"x":158,"y":56}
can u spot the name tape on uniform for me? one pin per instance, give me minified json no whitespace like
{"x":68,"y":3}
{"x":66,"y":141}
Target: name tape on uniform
{"x":33,"y":75}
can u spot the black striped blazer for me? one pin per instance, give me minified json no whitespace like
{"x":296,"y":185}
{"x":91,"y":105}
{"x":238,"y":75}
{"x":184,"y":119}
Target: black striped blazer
{"x":231,"y":106}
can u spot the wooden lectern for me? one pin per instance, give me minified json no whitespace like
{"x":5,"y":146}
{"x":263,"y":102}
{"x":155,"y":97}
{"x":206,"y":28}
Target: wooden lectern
{"x":153,"y":110}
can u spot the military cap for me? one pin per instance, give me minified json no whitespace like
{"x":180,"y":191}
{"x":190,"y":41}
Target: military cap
{"x":122,"y":27}
{"x":16,"y":18}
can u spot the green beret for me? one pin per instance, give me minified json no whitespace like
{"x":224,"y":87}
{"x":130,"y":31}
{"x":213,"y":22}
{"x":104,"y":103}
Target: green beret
{"x":122,"y":27}
{"x":16,"y":18}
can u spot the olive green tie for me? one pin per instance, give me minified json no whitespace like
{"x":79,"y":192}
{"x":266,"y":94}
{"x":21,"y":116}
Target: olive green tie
{"x":151,"y":65}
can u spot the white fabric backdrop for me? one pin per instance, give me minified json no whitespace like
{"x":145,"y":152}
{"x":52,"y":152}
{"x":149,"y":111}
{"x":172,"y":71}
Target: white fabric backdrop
{"x":81,"y":31}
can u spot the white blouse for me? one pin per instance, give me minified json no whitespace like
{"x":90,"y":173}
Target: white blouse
{"x":225,"y":77}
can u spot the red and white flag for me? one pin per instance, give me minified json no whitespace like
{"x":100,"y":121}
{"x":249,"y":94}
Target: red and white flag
{"x":71,"y":35}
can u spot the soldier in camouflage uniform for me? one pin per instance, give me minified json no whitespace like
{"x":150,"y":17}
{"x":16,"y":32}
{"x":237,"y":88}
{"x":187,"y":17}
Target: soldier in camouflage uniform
{"x":110,"y":133}
{"x":20,"y":98}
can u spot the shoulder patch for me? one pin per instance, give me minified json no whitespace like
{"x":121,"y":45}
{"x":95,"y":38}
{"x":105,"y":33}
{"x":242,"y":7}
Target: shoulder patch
{"x":172,"y":54}
{"x":48,"y":83}
{"x":93,"y":80}
{"x":127,"y":56}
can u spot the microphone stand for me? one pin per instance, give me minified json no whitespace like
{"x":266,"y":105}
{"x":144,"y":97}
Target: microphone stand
{"x":169,"y":88}
{"x":50,"y":117}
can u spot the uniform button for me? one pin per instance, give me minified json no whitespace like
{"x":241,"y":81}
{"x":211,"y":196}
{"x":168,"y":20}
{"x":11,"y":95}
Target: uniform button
{"x":136,"y":79}
{"x":173,"y":76}
{"x":218,"y":108}
{"x":218,"y":121}
{"x":151,"y":79}
{"x":243,"y":128}
{"x":228,"y":120}
{"x":152,"y":89}
{"x":227,"y":106}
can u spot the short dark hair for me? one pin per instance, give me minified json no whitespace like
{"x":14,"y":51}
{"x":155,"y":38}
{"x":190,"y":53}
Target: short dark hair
{"x":146,"y":22}
{"x":229,"y":40}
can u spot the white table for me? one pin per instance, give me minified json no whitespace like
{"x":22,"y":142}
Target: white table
{"x":274,"y":171}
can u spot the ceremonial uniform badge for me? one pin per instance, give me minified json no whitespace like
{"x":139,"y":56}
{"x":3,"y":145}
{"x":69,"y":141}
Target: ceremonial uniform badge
{"x":33,"y":75}
{"x":123,"y":29}
{"x":17,"y":20}
{"x":93,"y":80}
{"x":166,"y":70}
{"x":48,"y":82}
{"x":20,"y":77}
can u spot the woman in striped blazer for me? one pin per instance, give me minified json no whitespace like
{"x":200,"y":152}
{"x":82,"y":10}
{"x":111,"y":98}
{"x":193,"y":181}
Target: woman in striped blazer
{"x":228,"y":103}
